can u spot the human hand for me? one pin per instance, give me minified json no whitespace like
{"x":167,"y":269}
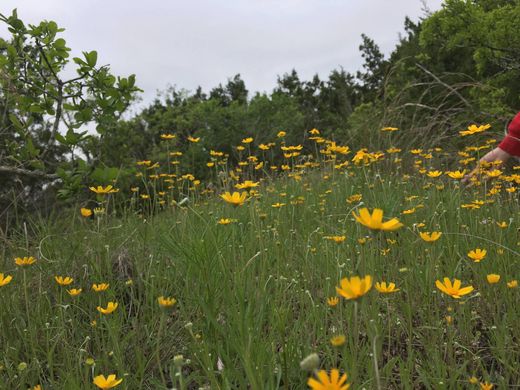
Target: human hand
{"x":496,"y":154}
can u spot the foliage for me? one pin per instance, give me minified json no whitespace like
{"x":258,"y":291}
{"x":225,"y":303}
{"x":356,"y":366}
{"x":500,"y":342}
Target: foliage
{"x":45,"y":118}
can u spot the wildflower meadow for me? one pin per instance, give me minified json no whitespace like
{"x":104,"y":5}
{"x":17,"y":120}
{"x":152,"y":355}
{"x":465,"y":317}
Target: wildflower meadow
{"x":337,"y":233}
{"x":368,"y":269}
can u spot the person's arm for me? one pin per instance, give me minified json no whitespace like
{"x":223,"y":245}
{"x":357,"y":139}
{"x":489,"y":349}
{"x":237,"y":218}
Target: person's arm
{"x":511,"y":142}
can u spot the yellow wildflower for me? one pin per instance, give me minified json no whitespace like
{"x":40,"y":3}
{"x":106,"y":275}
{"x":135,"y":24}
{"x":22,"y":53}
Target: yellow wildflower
{"x":63,"y":281}
{"x":5,"y":280}
{"x":456,"y":174}
{"x":335,"y":382}
{"x":477,"y":255}
{"x":338,"y":341}
{"x":166,"y":302}
{"x":355,"y":287}
{"x":336,"y":239}
{"x":493,"y":278}
{"x":354,"y":198}
{"x":236,"y":199}
{"x":106,"y":383}
{"x":430,"y":237}
{"x":100,"y":190}
{"x":85,"y":212}
{"x":225,"y":221}
{"x":74,"y":291}
{"x":100,"y":287}
{"x":473,"y":129}
{"x":375,"y":221}
{"x":247,"y":184}
{"x":111,"y":307}
{"x":382,"y":287}
{"x":168,"y":136}
{"x":24,"y":261}
{"x":453,"y":289}
{"x":486,"y":386}
{"x":434,"y":174}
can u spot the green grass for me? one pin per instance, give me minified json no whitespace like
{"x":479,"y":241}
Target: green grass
{"x":251,"y":296}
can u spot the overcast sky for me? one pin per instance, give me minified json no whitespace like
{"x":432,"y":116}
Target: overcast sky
{"x":204,"y":42}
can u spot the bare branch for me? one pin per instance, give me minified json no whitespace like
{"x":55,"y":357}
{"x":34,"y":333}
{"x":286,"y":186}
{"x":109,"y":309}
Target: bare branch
{"x":40,"y":48}
{"x":27,"y":172}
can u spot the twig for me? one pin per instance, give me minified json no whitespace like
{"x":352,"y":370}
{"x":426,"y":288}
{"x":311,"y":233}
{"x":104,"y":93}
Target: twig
{"x":26,"y":172}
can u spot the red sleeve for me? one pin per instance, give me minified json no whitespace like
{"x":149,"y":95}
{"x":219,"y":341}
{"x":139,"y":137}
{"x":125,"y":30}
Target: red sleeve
{"x":511,"y":142}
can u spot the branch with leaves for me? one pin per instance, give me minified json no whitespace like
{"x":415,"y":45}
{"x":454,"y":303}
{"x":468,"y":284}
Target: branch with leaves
{"x":46,"y":118}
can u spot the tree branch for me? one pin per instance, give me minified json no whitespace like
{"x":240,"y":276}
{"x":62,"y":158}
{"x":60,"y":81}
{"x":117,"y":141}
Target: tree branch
{"x":26,"y":172}
{"x":57,"y":118}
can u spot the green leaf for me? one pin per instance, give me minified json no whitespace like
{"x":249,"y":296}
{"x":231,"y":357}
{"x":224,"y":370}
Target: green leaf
{"x":61,"y":139}
{"x":11,"y":52}
{"x":79,"y":61}
{"x":16,"y":123}
{"x":60,"y":43}
{"x":36,"y":109}
{"x":91,"y":58}
{"x":104,"y":174}
{"x":31,"y":149}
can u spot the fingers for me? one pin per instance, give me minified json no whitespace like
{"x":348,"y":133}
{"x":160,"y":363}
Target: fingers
{"x":470,"y":175}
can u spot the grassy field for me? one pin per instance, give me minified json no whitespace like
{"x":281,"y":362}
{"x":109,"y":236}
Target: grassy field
{"x":253,"y":295}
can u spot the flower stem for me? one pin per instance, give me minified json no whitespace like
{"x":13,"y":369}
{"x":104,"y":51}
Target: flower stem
{"x":157,"y":351}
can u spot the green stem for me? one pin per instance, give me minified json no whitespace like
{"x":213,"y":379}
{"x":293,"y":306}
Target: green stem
{"x":157,"y":351}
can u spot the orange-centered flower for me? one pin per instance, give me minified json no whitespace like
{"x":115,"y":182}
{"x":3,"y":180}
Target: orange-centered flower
{"x":477,"y":255}
{"x":324,"y":382}
{"x":493,"y":278}
{"x":86,"y":212}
